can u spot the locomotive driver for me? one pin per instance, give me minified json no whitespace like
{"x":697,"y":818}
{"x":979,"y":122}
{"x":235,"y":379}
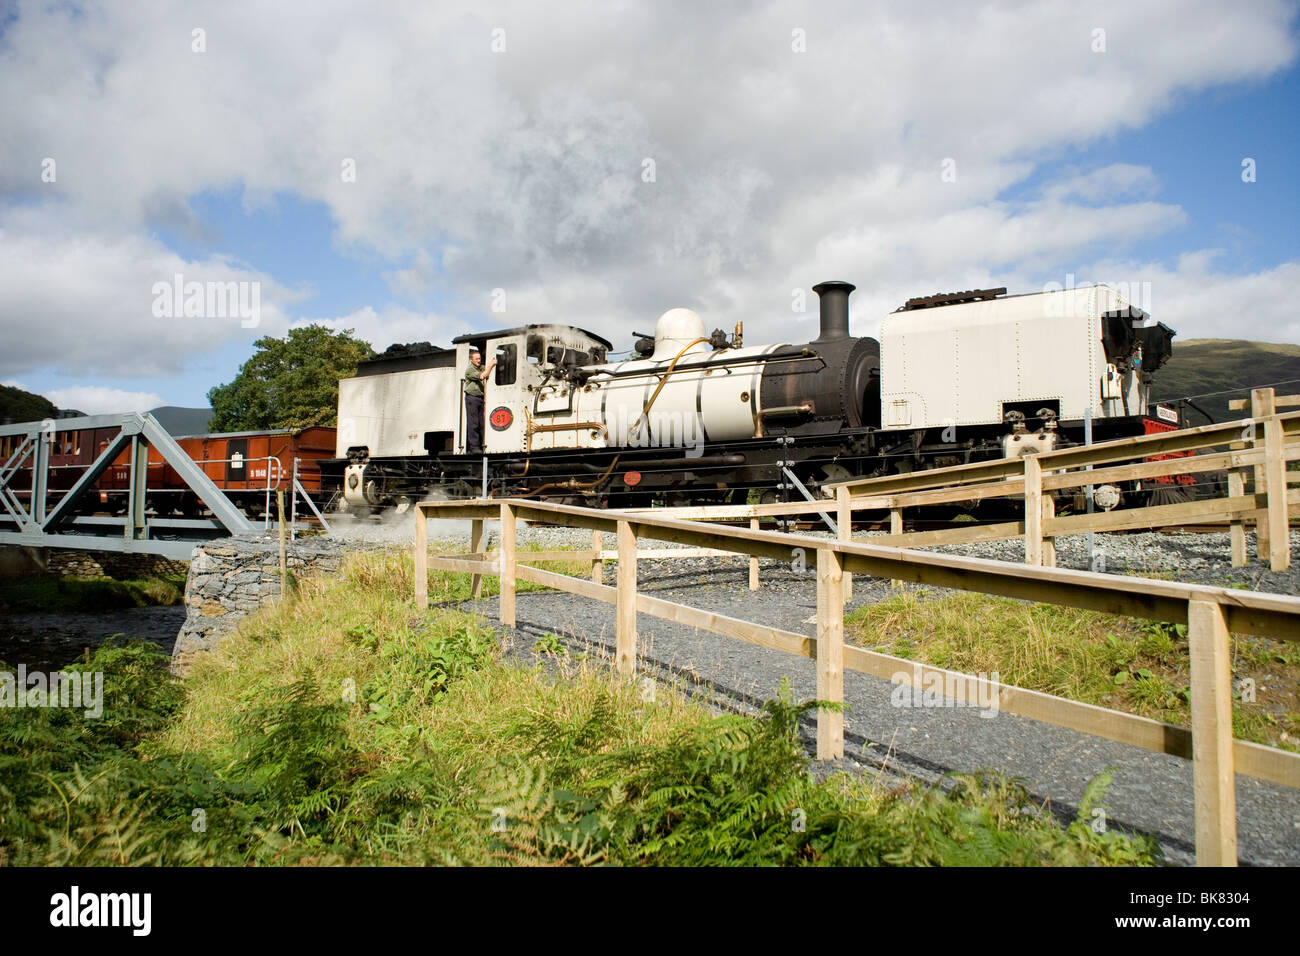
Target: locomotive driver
{"x":475,"y":376}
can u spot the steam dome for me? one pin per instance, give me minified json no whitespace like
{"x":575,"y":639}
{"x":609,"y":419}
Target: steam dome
{"x":676,"y":329}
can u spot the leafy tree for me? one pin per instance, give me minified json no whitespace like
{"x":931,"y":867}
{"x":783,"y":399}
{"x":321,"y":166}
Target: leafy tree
{"x":289,"y":383}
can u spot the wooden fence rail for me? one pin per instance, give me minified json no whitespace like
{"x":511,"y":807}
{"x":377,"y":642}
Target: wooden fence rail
{"x":1259,"y":446}
{"x":1255,"y":449}
{"x":1209,"y":614}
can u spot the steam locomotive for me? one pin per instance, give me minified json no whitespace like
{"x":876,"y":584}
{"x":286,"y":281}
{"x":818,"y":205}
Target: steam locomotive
{"x":702,"y":417}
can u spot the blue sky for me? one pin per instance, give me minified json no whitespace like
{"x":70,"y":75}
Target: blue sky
{"x":1196,"y":151}
{"x":522,"y":169}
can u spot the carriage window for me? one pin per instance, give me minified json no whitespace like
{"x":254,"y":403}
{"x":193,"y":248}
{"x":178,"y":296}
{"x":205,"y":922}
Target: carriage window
{"x":507,"y":357}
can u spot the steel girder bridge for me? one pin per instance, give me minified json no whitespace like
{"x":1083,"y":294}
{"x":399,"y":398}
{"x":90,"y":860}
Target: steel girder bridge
{"x":33,"y":514}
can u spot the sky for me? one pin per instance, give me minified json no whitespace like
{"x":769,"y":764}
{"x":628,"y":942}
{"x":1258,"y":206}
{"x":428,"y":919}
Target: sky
{"x":416,"y":171}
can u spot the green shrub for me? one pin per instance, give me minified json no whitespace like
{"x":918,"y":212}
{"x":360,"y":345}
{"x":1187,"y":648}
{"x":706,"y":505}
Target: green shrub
{"x":348,"y":727}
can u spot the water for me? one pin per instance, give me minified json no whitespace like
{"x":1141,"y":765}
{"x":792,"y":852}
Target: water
{"x":49,"y":640}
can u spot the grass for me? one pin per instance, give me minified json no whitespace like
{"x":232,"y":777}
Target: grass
{"x":56,"y":593}
{"x":1134,"y":666}
{"x":346,"y":726}
{"x":450,"y":587}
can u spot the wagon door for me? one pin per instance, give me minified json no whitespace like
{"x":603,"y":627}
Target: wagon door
{"x":237,"y":462}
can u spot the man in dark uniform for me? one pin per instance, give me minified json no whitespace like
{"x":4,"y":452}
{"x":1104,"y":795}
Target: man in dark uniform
{"x":475,"y":376}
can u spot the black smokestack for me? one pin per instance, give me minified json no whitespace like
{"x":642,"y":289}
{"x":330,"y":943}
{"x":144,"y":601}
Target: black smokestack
{"x":835,"y":309}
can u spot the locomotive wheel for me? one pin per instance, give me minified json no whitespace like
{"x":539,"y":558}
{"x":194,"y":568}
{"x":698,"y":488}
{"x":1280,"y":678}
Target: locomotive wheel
{"x":1164,"y":495}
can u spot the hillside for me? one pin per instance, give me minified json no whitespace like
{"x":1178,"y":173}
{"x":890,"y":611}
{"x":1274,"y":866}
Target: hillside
{"x":1201,"y":366}
{"x":182,"y":421}
{"x":19,"y":406}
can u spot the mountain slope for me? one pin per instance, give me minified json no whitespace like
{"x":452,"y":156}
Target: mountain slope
{"x":1229,"y":367}
{"x":182,"y":421}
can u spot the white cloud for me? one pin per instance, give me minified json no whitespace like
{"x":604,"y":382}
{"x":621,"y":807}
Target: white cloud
{"x":525,"y":170}
{"x":1200,"y":298}
{"x":83,"y":302}
{"x":392,"y":324}
{"x":415,"y":280}
{"x":1118,"y":180}
{"x":98,"y":400}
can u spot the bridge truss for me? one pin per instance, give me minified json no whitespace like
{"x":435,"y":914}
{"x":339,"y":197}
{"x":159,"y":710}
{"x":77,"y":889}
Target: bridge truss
{"x":35,"y":514}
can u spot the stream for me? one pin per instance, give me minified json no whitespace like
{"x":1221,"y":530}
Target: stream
{"x":49,"y":640}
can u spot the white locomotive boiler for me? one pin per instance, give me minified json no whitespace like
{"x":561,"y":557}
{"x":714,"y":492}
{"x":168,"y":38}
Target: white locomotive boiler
{"x":700,"y":416}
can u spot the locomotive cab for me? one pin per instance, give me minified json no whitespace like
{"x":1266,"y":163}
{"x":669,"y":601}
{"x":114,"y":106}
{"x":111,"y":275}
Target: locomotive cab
{"x":539,"y":369}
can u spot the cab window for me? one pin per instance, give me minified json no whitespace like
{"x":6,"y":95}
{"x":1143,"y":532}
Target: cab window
{"x":536,"y":349}
{"x":507,"y":361}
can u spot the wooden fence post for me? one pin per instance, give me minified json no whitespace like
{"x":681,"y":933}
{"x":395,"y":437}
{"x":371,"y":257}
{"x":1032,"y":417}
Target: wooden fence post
{"x":830,"y":652}
{"x":753,"y":561}
{"x":1049,"y":543}
{"x":844,"y":521}
{"x":1279,"y":530}
{"x":1262,"y":405}
{"x":507,"y":599}
{"x":597,"y":562}
{"x":1237,"y":526}
{"x":476,"y":545}
{"x":1214,"y":780}
{"x":896,"y":527}
{"x":1033,"y":510}
{"x":421,"y":558}
{"x":625,"y":601}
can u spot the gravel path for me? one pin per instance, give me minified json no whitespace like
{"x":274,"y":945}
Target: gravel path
{"x":1151,"y":792}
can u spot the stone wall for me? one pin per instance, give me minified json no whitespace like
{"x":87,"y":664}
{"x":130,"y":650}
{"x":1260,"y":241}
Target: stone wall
{"x":110,"y":564}
{"x":85,"y":564}
{"x":230,"y":578}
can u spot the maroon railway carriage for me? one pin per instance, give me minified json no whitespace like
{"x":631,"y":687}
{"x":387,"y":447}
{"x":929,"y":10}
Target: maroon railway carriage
{"x":248,"y":466}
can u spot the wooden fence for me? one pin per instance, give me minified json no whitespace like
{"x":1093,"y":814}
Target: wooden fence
{"x":1257,"y":447}
{"x":1210,"y":614}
